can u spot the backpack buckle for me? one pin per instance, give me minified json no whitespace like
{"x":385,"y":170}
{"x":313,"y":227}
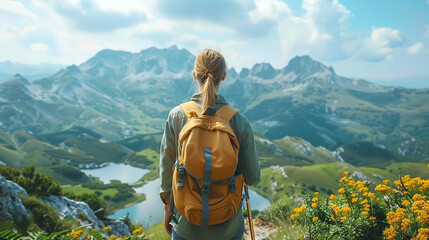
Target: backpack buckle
{"x":232,"y":187}
{"x":211,"y":111}
{"x":181,"y":171}
{"x":205,"y":188}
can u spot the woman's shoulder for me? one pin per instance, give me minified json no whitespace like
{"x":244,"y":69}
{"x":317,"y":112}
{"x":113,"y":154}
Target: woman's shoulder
{"x":239,"y":118}
{"x":176,"y":112}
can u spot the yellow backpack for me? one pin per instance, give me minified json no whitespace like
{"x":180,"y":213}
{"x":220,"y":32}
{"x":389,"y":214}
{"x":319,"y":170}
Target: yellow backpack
{"x":206,"y":187}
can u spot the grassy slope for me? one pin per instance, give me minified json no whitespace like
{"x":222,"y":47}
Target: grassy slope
{"x":324,"y":178}
{"x":64,"y":174}
{"x":107,"y":190}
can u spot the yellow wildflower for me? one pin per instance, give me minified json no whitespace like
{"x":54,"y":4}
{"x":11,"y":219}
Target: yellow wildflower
{"x":106,"y":229}
{"x":423,"y":233}
{"x":343,"y":219}
{"x":112,"y":237}
{"x":405,"y":223}
{"x":346,"y":173}
{"x":365,"y":213}
{"x":390,"y":233}
{"x":314,"y":205}
{"x":78,"y":220}
{"x":372,"y":218}
{"x":138,"y":230}
{"x":315,"y":219}
{"x":346,"y":210}
{"x":316,"y":193}
{"x":405,"y":203}
{"x":315,"y":200}
{"x":341,"y":190}
{"x":354,"y":200}
{"x":418,"y":197}
{"x":300,"y":236}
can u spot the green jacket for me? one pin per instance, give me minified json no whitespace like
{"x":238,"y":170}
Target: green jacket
{"x":247,"y":162}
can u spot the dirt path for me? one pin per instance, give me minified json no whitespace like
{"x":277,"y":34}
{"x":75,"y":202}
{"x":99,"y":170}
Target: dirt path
{"x":263,"y":230}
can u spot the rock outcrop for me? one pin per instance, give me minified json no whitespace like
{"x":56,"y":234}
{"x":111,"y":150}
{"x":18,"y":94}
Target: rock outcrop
{"x":119,"y":229}
{"x":11,"y":206}
{"x":68,"y":208}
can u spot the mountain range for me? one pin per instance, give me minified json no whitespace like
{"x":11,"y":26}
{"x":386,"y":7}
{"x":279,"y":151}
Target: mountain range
{"x":30,"y":71}
{"x":119,"y":95}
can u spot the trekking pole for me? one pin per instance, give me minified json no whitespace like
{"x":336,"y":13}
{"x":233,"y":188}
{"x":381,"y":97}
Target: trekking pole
{"x":249,"y":211}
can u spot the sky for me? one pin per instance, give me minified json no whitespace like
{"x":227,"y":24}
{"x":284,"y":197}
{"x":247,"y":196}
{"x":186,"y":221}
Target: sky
{"x":382,"y":40}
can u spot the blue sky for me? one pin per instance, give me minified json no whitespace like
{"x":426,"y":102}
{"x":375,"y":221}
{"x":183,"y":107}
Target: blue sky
{"x":383,"y":40}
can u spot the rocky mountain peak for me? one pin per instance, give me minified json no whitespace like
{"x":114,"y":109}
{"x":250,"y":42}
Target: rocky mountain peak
{"x":73,"y":69}
{"x":244,"y":72}
{"x":304,"y":65}
{"x":18,"y":79}
{"x":263,"y":70}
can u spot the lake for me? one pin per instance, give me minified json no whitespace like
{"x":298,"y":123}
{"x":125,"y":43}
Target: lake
{"x":150,"y":211}
{"x":122,"y":172}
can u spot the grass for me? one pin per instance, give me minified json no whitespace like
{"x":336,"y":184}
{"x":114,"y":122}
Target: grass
{"x":157,"y":232}
{"x":79,"y":189}
{"x":64,"y":174}
{"x":324,"y":178}
{"x":288,"y":232}
{"x":108,"y":190}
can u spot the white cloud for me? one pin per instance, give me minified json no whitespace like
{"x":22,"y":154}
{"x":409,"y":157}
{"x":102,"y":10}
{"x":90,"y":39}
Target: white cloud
{"x":16,"y":8}
{"x":90,"y":16}
{"x":416,"y":48}
{"x":381,"y":43}
{"x":269,"y":9}
{"x":39,"y":47}
{"x":319,"y":32}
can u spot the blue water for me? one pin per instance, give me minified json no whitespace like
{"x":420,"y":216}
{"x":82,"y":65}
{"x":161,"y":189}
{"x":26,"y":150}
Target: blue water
{"x":122,"y":172}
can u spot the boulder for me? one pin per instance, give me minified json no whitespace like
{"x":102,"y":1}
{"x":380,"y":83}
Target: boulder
{"x":120,"y":229}
{"x":68,"y":208}
{"x":11,"y":206}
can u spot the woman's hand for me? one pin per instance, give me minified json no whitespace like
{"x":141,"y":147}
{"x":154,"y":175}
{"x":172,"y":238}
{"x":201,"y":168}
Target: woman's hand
{"x":167,"y":219}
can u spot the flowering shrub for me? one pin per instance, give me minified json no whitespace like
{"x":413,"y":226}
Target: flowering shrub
{"x":391,"y":211}
{"x":81,"y":233}
{"x":92,"y":234}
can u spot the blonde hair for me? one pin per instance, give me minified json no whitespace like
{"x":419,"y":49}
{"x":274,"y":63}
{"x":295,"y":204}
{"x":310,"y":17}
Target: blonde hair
{"x":209,"y":70}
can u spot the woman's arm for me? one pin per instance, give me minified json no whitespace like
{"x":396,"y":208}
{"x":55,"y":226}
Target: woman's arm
{"x":167,"y":157}
{"x":248,"y":157}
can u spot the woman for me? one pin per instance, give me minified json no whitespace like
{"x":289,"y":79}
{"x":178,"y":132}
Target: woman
{"x":210,"y":71}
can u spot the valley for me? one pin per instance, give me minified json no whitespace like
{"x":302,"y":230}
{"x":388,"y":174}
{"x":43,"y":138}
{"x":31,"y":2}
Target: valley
{"x":310,"y":124}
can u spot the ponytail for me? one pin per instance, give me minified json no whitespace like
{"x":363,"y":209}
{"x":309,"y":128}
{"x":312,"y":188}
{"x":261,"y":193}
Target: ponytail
{"x":208,"y":93}
{"x":209,"y":69}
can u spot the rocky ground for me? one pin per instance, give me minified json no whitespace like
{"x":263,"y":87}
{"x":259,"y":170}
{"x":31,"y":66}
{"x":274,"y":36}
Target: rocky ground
{"x":263,"y":230}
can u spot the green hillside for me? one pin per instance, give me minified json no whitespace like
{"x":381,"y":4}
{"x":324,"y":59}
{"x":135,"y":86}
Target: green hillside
{"x":291,"y":183}
{"x":293,"y":151}
{"x":64,"y":174}
{"x":367,"y":154}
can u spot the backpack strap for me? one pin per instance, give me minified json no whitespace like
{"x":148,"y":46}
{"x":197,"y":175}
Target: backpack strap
{"x":226,"y":113}
{"x":189,"y":107}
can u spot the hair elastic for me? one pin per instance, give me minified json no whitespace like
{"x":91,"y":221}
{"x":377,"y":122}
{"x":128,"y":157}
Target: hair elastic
{"x":207,"y":73}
